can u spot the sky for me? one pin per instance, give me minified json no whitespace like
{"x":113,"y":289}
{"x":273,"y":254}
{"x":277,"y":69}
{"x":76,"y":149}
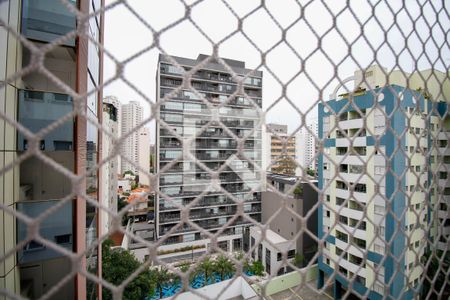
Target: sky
{"x":322,"y":45}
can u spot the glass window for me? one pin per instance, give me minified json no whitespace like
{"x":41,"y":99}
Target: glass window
{"x":193,"y":107}
{"x":172,"y":118}
{"x":173,"y":105}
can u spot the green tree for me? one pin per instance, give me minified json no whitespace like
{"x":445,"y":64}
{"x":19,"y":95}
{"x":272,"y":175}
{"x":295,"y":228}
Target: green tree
{"x":206,"y":267}
{"x":128,"y":172}
{"x":298,"y":191}
{"x":299,"y":259}
{"x":284,"y":165}
{"x":257,"y":268}
{"x":311,"y":172}
{"x":185,"y":268}
{"x":161,"y":278}
{"x":223,"y":266}
{"x":436,"y":271}
{"x":118,"y":265}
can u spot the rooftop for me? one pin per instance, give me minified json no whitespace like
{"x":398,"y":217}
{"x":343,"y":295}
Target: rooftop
{"x":290,"y":179}
{"x":271,"y":236}
{"x":236,"y":65}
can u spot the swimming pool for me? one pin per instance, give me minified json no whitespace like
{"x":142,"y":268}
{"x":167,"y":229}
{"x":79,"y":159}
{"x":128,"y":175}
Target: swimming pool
{"x":197,"y":282}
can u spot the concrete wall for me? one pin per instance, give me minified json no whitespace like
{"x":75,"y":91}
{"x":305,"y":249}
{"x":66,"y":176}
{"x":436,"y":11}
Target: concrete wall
{"x":286,"y":281}
{"x":285,"y":222}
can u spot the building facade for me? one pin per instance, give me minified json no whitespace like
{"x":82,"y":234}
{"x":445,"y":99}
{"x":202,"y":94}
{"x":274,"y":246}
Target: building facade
{"x":306,"y":140}
{"x":381,"y":191}
{"x":131,"y":117}
{"x":110,"y":169}
{"x":144,"y":156}
{"x":302,"y":201}
{"x":281,"y":155}
{"x":183,"y":181}
{"x":33,"y":187}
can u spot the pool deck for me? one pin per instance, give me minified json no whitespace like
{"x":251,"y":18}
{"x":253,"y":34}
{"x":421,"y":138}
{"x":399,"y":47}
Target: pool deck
{"x":305,"y":292}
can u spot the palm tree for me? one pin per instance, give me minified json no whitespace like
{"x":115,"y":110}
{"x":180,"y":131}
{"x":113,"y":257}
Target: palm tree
{"x":206,"y":267}
{"x":161,"y":277}
{"x":223,"y":266}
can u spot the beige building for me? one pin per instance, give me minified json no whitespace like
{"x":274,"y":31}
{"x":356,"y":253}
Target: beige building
{"x":280,"y":149}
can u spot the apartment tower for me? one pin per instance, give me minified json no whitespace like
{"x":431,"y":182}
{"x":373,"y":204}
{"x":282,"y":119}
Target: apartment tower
{"x":306,"y":146}
{"x":185,"y":111}
{"x":131,"y":117}
{"x":33,"y":186}
{"x":110,"y":169}
{"x":378,"y":214}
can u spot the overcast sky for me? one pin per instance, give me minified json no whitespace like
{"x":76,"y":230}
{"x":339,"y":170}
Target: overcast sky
{"x":345,"y":45}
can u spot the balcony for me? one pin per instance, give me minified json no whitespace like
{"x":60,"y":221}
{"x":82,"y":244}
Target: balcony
{"x":47,"y":20}
{"x":56,"y":228}
{"x":37,"y":110}
{"x":351,"y":123}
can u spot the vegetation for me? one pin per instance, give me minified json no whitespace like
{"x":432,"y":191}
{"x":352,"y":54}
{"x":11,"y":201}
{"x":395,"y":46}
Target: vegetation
{"x":436,"y":271}
{"x":223,"y":266}
{"x":161,"y":278}
{"x":206,"y":267}
{"x":128,"y":172}
{"x":284,"y":165}
{"x":182,"y":249}
{"x":298,"y":190}
{"x":311,"y":172}
{"x":257,"y":268}
{"x":117,"y":266}
{"x":299,"y":260}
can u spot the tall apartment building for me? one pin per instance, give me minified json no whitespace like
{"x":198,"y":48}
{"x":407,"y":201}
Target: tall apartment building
{"x":144,"y":155}
{"x":110,"y":169}
{"x":281,"y":154}
{"x":372,"y":192}
{"x":131,"y":116}
{"x":33,"y":187}
{"x":183,"y":181}
{"x":306,"y":141}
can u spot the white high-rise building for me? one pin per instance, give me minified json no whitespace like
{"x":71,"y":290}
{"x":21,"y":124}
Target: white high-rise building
{"x":110,"y":169}
{"x":131,"y":118}
{"x":306,"y":146}
{"x":144,"y":155}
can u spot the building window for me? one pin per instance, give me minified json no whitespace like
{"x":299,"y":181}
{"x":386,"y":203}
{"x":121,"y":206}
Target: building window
{"x":291,"y":254}
{"x":341,"y":236}
{"x":63,"y":239}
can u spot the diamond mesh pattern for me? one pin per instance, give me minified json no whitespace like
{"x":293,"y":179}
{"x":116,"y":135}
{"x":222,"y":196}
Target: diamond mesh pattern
{"x":382,"y":149}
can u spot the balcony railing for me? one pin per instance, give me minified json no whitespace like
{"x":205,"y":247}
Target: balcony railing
{"x":47,"y":20}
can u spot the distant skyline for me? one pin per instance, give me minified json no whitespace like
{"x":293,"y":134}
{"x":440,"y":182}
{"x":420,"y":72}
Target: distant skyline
{"x":125,"y":35}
